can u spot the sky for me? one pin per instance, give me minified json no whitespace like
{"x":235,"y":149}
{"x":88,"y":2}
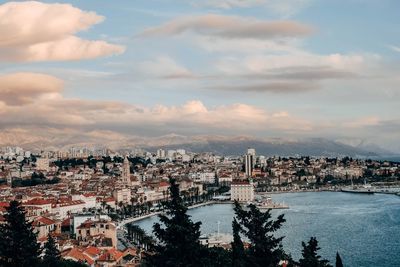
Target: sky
{"x":262,"y":68}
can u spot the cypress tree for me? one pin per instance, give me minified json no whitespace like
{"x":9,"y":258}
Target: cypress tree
{"x":52,"y":256}
{"x":265,"y":249}
{"x":237,"y":251}
{"x":178,"y":241}
{"x":338,"y":260}
{"x":310,"y":255}
{"x":18,"y":244}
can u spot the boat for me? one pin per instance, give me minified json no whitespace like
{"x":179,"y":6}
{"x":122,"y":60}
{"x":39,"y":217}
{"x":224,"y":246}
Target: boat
{"x":267,"y":203}
{"x":364,"y":189}
{"x":357,"y":190}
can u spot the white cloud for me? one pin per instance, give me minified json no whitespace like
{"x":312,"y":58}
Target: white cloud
{"x":164,"y":67}
{"x":230,"y":27}
{"x":35,"y":31}
{"x":394,"y":48}
{"x":36,"y":99}
{"x":281,"y":7}
{"x":24,"y":88}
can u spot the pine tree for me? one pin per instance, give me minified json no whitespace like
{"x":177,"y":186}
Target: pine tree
{"x":18,"y":244}
{"x":52,"y":256}
{"x":338,"y":260}
{"x":265,"y":249}
{"x":310,"y":255}
{"x":178,"y":241}
{"x":237,"y":251}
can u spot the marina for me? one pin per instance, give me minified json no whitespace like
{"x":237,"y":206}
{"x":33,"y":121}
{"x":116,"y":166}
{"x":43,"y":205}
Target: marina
{"x":340,"y":221}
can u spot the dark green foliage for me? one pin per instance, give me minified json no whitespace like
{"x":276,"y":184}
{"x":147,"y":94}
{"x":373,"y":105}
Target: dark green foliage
{"x":71,"y":263}
{"x":18,"y":245}
{"x":218,"y":257}
{"x":178,"y":241}
{"x":52,"y":257}
{"x":265,"y":249}
{"x":338,"y":260}
{"x":36,"y":179}
{"x":237,"y":252}
{"x":139,"y":237}
{"x":310,"y":255}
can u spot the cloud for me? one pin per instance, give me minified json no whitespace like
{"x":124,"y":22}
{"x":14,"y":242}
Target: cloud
{"x":230,"y":27}
{"x":394,"y":48}
{"x":274,"y":87}
{"x":24,"y":88}
{"x":30,"y":99}
{"x":164,"y":67}
{"x":281,"y":7}
{"x":35,"y":31}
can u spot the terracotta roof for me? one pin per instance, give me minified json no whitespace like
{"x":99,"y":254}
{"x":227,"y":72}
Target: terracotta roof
{"x":66,"y":222}
{"x":78,"y":255}
{"x":162,"y":183}
{"x":37,"y":202}
{"x":86,"y":224}
{"x":43,"y":221}
{"x":111,"y":255}
{"x":4,"y":204}
{"x":240,"y":182}
{"x":92,"y":251}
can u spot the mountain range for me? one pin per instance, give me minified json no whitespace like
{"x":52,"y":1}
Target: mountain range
{"x":56,"y":139}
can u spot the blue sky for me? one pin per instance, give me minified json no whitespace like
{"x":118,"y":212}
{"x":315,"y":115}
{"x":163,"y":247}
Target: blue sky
{"x":265,"y":68}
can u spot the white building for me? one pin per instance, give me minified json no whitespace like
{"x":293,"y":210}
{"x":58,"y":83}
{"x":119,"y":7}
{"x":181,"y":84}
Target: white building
{"x":161,"y":153}
{"x":42,"y":164}
{"x":122,"y":195}
{"x":248,"y":161}
{"x":126,"y":172}
{"x":181,"y":151}
{"x":242,"y":191}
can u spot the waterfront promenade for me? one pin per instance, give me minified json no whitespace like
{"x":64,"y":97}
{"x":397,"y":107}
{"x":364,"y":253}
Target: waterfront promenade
{"x":135,"y":219}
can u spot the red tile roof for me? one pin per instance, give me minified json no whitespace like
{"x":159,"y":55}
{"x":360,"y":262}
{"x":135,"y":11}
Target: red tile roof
{"x":43,"y":221}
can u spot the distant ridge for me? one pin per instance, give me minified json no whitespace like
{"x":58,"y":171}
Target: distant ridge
{"x":51,"y":138}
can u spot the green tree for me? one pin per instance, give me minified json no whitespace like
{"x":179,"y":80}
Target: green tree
{"x":18,"y":244}
{"x":265,"y":249}
{"x":52,"y":256}
{"x":178,"y":241}
{"x":310,"y":255}
{"x":237,"y":251}
{"x":338,"y":260}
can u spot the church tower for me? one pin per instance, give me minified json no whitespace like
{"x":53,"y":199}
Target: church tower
{"x":126,"y":172}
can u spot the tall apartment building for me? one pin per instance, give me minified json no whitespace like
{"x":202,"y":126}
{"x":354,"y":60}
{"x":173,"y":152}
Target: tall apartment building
{"x":248,"y":161}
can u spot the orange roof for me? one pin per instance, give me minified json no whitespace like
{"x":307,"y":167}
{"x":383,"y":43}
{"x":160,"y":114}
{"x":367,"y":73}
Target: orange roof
{"x":111,"y":255}
{"x":78,"y":255}
{"x":86,"y":224}
{"x":92,"y":251}
{"x":37,"y":202}
{"x":4,"y":204}
{"x":240,"y":182}
{"x":163,"y":183}
{"x":66,"y":222}
{"x":43,"y":221}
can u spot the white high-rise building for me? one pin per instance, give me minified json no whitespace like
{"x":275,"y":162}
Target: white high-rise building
{"x":251,"y":151}
{"x":161,"y":153}
{"x":248,"y":164}
{"x":181,"y":151}
{"x":171,"y":154}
